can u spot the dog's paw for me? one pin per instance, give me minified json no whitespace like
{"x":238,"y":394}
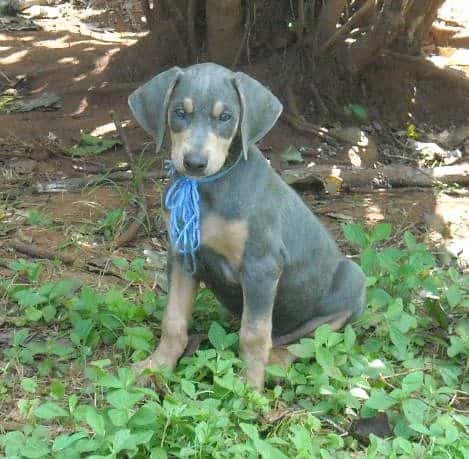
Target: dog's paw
{"x":151,"y":378}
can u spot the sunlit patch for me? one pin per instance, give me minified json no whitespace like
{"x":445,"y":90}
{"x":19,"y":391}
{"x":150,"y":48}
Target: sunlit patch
{"x":102,"y":63}
{"x":56,"y":43}
{"x":5,"y":48}
{"x":15,"y":57}
{"x":377,"y":363}
{"x":374,"y":213}
{"x":81,"y":107}
{"x":68,"y":60}
{"x":103,"y":129}
{"x":358,"y":392}
{"x":80,"y":77}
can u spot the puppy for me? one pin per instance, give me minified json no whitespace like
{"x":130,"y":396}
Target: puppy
{"x":262,"y":252}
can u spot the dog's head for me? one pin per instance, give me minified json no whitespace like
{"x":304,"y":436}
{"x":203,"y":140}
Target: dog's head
{"x":205,"y":107}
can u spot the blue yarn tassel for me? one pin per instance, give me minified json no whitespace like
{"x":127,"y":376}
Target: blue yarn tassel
{"x":182,"y":201}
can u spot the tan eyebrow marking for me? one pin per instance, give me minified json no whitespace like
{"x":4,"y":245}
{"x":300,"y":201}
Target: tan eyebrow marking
{"x":188,"y":105}
{"x":218,"y":109}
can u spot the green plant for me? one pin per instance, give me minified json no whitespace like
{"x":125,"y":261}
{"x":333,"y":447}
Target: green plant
{"x":406,"y":356}
{"x":111,"y":224}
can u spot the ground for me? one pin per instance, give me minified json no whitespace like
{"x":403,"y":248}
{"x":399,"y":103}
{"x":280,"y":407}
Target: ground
{"x":85,"y":49}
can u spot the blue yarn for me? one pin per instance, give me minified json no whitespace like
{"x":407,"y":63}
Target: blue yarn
{"x":183,"y":202}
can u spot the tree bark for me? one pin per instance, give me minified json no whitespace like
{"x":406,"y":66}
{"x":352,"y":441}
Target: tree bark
{"x":328,"y":19}
{"x":386,"y":27}
{"x":224,"y":29}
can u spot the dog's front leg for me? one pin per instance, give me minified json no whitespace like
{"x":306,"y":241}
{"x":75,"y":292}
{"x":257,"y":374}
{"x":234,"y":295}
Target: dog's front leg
{"x":255,"y":337}
{"x":174,"y":336}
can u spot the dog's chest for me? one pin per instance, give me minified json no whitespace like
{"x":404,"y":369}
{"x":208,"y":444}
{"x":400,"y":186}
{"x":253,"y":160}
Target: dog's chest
{"x":226,"y":238}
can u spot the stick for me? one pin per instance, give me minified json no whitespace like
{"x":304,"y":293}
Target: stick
{"x":38,"y":252}
{"x":133,"y":228}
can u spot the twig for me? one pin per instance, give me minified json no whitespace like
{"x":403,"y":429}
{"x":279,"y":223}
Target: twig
{"x":38,"y":252}
{"x":133,"y":228}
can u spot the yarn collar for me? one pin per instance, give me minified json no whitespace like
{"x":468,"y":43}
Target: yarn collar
{"x":183,"y":202}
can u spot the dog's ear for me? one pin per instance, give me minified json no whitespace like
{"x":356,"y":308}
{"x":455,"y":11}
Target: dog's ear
{"x":260,"y":110}
{"x":149,"y":103}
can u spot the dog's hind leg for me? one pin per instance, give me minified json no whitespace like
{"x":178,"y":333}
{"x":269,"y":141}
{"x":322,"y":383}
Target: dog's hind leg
{"x":343,"y":303}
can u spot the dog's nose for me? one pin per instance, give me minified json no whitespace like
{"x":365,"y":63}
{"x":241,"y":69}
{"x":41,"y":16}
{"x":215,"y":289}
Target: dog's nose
{"x":195,"y":162}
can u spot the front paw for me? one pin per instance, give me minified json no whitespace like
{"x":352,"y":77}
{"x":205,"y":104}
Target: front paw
{"x":255,"y":377}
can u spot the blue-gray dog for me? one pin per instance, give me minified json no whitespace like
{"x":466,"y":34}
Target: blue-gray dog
{"x":262,"y":252}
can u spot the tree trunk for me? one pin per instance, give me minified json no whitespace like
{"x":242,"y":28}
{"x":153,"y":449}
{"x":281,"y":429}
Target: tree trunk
{"x":383,"y":31}
{"x":224,"y":29}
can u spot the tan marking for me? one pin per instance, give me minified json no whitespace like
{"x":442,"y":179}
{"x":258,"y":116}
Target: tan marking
{"x":216,"y":149}
{"x":225,"y":237}
{"x":218,"y":109}
{"x":188,"y":105}
{"x":255,"y":343}
{"x":174,"y":337}
{"x":180,"y":144}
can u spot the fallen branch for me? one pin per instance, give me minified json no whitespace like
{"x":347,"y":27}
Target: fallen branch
{"x":133,"y":228}
{"x":79,"y":183}
{"x":35,"y":251}
{"x":76,"y":184}
{"x":397,"y":176}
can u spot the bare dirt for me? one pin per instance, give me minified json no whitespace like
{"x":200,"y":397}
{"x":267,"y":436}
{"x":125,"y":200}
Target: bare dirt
{"x":72,"y":58}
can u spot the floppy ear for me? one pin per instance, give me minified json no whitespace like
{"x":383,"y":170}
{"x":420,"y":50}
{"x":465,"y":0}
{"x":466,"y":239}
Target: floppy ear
{"x":260,"y":110}
{"x":149,"y":103}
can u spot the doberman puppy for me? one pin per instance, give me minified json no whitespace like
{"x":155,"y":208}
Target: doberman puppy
{"x":263,"y":252}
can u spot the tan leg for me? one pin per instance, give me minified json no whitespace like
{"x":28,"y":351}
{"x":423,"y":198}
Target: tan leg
{"x":174,"y":337}
{"x":255,"y":343}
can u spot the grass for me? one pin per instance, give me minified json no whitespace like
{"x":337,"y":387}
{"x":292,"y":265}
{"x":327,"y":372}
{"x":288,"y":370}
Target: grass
{"x":67,"y":389}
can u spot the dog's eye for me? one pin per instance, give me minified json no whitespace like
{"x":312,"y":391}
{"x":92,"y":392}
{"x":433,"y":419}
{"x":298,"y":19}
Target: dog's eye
{"x":180,"y":113}
{"x":225,"y":116}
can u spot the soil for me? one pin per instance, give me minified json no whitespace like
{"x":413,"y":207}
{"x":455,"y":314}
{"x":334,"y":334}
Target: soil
{"x":70,"y":57}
